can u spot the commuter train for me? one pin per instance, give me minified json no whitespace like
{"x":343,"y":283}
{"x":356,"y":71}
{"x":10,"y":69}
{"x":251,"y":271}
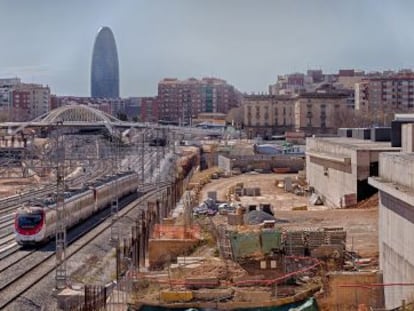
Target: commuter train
{"x":36,"y":223}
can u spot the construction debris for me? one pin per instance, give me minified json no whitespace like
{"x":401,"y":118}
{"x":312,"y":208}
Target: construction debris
{"x":257,"y":217}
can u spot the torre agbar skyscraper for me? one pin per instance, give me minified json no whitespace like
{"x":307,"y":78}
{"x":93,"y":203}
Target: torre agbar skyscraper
{"x":105,"y":68}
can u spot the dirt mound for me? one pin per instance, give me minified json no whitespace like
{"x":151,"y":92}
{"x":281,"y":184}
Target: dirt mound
{"x":371,"y":202}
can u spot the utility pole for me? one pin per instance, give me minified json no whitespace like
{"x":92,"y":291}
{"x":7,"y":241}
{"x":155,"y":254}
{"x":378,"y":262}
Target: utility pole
{"x":158,"y":180}
{"x":143,"y":159}
{"x":60,"y":275}
{"x":114,"y":204}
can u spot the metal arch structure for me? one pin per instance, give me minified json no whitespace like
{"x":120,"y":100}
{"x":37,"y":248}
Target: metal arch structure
{"x":75,"y":114}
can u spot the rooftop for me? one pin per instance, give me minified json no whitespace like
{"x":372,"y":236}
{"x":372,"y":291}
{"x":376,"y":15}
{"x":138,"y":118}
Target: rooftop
{"x":357,"y":144}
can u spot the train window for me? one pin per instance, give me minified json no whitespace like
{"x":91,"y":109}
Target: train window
{"x":29,"y":221}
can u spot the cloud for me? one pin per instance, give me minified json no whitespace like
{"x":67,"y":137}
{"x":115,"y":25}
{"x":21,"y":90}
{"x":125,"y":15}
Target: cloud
{"x":38,"y":70}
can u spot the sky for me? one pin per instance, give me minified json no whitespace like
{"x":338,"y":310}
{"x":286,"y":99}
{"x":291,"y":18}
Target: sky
{"x":246,"y":42}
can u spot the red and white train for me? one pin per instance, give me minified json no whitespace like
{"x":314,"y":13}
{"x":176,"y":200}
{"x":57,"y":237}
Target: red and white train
{"x":36,"y":223}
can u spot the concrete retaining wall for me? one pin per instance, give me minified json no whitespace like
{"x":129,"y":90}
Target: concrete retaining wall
{"x":396,"y":254}
{"x":295,"y":163}
{"x":396,"y":225}
{"x":407,"y":133}
{"x":397,"y":168}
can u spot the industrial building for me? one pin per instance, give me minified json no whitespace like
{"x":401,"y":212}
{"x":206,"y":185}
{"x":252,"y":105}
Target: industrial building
{"x":337,"y":168}
{"x":396,"y":220}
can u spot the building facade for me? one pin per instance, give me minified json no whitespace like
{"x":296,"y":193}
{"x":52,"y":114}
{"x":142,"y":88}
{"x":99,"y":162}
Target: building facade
{"x":297,"y":83}
{"x":384,"y":94}
{"x":28,"y":101}
{"x":181,"y":101}
{"x":267,"y":115}
{"x":319,"y":112}
{"x":105,"y":67}
{"x":149,"y":109}
{"x":6,"y":87}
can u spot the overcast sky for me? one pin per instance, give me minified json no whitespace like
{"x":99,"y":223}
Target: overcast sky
{"x":246,"y":42}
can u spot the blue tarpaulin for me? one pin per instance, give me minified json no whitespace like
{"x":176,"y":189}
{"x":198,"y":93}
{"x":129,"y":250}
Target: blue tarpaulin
{"x":307,"y":305}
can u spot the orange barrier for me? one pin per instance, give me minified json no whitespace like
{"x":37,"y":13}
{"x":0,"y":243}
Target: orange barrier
{"x":176,"y":232}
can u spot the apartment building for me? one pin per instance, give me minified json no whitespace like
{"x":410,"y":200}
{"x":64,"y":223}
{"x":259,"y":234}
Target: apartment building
{"x":297,"y":83}
{"x":149,"y":109}
{"x":384,"y":94}
{"x":182,"y":100}
{"x":6,"y":87}
{"x":28,"y":101}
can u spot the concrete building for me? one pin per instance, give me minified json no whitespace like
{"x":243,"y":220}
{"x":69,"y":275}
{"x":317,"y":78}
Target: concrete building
{"x":338,"y":168}
{"x":105,"y":67}
{"x":182,"y":100}
{"x":396,"y":220}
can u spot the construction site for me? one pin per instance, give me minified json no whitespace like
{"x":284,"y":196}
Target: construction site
{"x":249,"y":240}
{"x":240,"y":230}
{"x":259,"y":243}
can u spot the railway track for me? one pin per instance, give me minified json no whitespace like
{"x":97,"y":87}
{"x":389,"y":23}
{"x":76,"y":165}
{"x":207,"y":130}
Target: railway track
{"x":7,"y":214}
{"x":7,"y":245}
{"x":13,"y":283}
{"x":8,"y":205}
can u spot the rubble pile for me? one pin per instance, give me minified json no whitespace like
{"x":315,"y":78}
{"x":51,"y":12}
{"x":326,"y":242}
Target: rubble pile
{"x":257,"y":217}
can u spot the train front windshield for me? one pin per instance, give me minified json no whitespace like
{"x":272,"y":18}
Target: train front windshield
{"x":29,"y":221}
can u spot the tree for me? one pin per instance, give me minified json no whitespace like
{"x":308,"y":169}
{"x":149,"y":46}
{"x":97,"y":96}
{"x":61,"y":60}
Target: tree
{"x":122,"y":116}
